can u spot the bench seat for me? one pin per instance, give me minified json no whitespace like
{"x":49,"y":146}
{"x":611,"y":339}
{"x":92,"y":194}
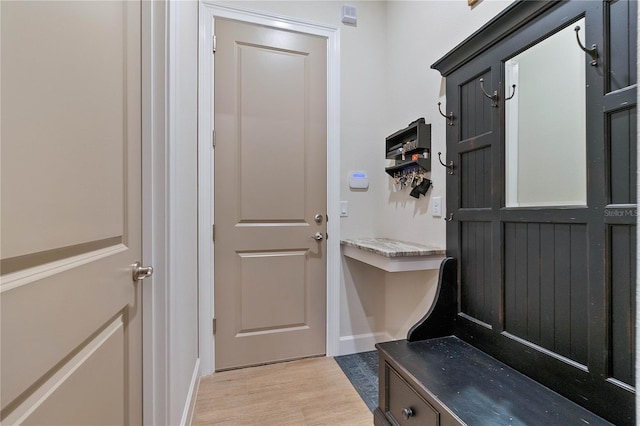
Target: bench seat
{"x":446,"y":381}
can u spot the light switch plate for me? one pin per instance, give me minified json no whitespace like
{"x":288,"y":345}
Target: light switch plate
{"x":344,"y":208}
{"x":436,"y":209}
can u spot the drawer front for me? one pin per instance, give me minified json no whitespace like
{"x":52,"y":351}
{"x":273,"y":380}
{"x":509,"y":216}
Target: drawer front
{"x":404,"y":405}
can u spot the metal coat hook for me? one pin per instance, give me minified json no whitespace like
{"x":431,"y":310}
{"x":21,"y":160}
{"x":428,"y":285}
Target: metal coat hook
{"x":448,"y":117}
{"x":593,"y":52}
{"x":513,"y":93}
{"x":448,"y":166}
{"x":449,"y":218}
{"x":494,"y":97}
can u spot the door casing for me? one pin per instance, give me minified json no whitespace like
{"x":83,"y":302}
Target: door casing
{"x":208,"y":12}
{"x":154,"y":144}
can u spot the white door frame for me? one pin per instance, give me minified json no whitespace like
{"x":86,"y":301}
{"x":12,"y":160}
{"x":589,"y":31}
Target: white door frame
{"x":208,"y":11}
{"x":155,"y":143}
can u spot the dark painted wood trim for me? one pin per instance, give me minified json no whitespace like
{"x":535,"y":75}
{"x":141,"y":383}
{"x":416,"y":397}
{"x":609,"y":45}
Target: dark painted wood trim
{"x":379,"y":419}
{"x":438,"y":321}
{"x":500,"y":27}
{"x":621,"y":99}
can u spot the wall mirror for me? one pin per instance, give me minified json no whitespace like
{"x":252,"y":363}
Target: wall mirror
{"x":545,"y":124}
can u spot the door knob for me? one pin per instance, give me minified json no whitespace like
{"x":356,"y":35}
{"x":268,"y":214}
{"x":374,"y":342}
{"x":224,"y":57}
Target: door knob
{"x":141,"y":272}
{"x":318,"y":236}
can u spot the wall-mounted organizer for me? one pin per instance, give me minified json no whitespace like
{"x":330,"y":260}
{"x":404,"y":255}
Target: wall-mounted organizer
{"x":410,"y":148}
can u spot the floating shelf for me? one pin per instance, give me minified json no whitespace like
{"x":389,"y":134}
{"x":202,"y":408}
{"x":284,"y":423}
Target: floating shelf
{"x":403,"y":144}
{"x":423,"y":163}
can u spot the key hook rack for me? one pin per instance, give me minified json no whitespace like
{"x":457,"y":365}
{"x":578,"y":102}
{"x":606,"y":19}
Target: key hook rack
{"x":449,"y":117}
{"x":593,"y":52}
{"x":494,"y":97}
{"x":448,"y":166}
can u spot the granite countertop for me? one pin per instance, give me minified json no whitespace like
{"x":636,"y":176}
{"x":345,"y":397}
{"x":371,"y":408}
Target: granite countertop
{"x":392,"y":248}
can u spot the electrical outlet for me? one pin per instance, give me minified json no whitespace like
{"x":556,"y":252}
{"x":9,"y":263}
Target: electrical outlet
{"x":436,"y":209}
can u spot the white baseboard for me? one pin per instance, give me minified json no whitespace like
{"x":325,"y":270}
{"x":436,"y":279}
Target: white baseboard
{"x":190,"y":403}
{"x":361,"y":342}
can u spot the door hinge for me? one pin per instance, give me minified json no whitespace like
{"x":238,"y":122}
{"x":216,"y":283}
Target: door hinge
{"x":213,"y":42}
{"x":213,"y":233}
{"x":213,"y":324}
{"x":213,"y":138}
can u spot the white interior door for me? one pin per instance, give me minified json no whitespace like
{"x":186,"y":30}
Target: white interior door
{"x":70,"y":212}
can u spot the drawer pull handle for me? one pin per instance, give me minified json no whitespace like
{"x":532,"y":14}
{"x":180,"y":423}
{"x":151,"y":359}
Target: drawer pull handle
{"x":408,"y":413}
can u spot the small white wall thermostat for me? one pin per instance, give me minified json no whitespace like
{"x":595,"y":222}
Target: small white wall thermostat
{"x":349,"y":14}
{"x":358,"y":180}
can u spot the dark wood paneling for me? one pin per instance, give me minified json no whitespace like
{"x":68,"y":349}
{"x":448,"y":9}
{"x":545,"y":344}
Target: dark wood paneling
{"x":622,"y":43}
{"x":547,"y":285}
{"x":623,"y":158}
{"x":579,"y":285}
{"x":562,"y":291}
{"x":475,"y":283}
{"x":475,"y":115}
{"x":532,"y":273}
{"x":475,"y":177}
{"x":623,"y":307}
{"x":546,"y":293}
{"x":515,"y":279}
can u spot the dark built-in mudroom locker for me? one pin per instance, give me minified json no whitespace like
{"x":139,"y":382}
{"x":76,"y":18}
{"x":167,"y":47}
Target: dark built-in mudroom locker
{"x":541,"y":210}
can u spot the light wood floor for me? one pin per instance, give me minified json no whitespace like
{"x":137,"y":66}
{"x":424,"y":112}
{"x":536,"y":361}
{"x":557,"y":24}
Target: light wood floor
{"x":311,"y":391}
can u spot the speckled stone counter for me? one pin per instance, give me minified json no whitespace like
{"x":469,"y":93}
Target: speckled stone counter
{"x":393,"y":255}
{"x":392,"y":248}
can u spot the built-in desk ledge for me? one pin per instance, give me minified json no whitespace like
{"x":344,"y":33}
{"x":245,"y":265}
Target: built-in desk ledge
{"x":393,"y":255}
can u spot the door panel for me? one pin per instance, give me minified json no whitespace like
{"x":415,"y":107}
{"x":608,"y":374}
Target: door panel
{"x":272,"y":276}
{"x":475,"y":177}
{"x":544,"y":279}
{"x":270,"y":180}
{"x":78,"y":394}
{"x":621,"y":40}
{"x":475,"y":277}
{"x":623,"y":298}
{"x":475,"y":109}
{"x":624,"y":165}
{"x":270,"y":174}
{"x":71,"y":193}
{"x":83,"y":125}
